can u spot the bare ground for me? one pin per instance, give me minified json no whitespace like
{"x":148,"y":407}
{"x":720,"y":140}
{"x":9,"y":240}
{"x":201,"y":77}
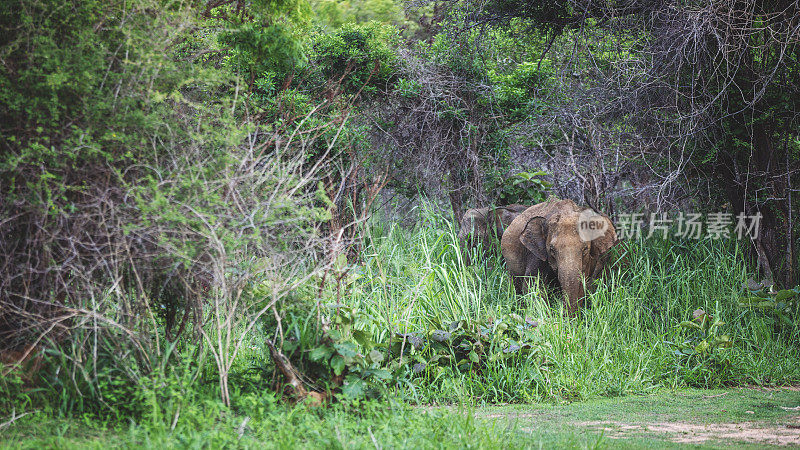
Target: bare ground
{"x":745,"y":417}
{"x":689,"y":433}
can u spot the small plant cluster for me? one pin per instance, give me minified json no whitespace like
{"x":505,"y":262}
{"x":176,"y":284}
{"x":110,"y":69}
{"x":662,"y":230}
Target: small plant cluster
{"x":364,"y":56}
{"x":780,"y":306}
{"x":360,"y":367}
{"x":466,"y":346}
{"x":515,"y":91}
{"x":699,"y":349}
{"x":528,"y":188}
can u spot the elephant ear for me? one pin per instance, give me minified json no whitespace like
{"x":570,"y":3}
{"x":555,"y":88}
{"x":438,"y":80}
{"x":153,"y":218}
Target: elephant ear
{"x":603,"y":244}
{"x":534,"y":235}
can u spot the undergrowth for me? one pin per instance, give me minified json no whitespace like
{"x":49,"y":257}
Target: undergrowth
{"x":410,"y":322}
{"x":414,"y":282}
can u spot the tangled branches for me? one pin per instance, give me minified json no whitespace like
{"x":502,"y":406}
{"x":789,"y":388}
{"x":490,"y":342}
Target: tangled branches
{"x":431,"y":129}
{"x":686,"y":99}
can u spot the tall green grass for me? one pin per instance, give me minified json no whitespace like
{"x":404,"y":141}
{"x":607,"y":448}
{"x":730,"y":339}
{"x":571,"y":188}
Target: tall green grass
{"x":416,"y":280}
{"x":266,"y":423}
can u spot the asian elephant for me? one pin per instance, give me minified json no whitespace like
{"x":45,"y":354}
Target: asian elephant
{"x":485,"y":226}
{"x":559,"y":241}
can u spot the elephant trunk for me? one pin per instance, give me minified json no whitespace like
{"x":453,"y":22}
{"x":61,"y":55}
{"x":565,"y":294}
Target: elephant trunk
{"x":572,"y":285}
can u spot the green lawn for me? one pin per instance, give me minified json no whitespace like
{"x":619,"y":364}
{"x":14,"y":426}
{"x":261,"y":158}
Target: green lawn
{"x":748,"y":418}
{"x":742,"y":417}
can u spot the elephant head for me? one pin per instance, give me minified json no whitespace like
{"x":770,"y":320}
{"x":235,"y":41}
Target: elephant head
{"x":485,"y":226}
{"x":558,"y":240}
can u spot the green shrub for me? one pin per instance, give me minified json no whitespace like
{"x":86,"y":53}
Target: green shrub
{"x":518,"y":91}
{"x":527,"y":188}
{"x":700,"y":354}
{"x":141,"y":199}
{"x":268,"y":39}
{"x":779,"y":308}
{"x":335,"y":13}
{"x":364,"y":56}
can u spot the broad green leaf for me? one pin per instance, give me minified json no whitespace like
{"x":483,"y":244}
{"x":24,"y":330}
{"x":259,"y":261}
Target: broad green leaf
{"x":320,"y":353}
{"x":354,"y":387}
{"x":381,"y":374}
{"x":784,"y":295}
{"x":376,"y":356}
{"x":337,"y":364}
{"x":363,"y":339}
{"x":334,"y":335}
{"x":346,"y":349}
{"x":690,"y":324}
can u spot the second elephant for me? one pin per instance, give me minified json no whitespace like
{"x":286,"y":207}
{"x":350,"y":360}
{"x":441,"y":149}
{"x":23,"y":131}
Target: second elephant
{"x":485,"y":226}
{"x":559,"y":241}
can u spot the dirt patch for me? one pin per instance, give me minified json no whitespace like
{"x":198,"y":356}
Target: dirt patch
{"x":773,"y":389}
{"x":507,"y":416}
{"x":690,"y":433}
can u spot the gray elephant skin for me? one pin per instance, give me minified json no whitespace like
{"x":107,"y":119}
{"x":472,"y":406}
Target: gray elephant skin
{"x":485,"y":226}
{"x":561,"y":242}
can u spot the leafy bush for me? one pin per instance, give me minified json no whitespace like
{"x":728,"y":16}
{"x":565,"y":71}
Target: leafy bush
{"x":335,"y":13}
{"x":408,"y":88}
{"x":145,"y":208}
{"x":264,"y":48}
{"x":527,"y":188}
{"x":780,"y":306}
{"x":353,"y":358}
{"x":363,"y":55}
{"x":515,"y":91}
{"x":700,"y":350}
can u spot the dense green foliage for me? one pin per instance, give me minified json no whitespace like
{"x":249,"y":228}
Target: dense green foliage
{"x":79,"y":92}
{"x":115,"y":149}
{"x":413,"y":284}
{"x":363,"y":56}
{"x":663,"y":82}
{"x":416,"y":282}
{"x":336,"y":13}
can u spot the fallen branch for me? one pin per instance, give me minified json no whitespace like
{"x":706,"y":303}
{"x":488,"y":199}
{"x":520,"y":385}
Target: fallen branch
{"x":293,"y":377}
{"x":14,"y":418}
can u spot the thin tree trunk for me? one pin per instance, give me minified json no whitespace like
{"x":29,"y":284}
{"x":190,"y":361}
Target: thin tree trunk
{"x":790,"y":222}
